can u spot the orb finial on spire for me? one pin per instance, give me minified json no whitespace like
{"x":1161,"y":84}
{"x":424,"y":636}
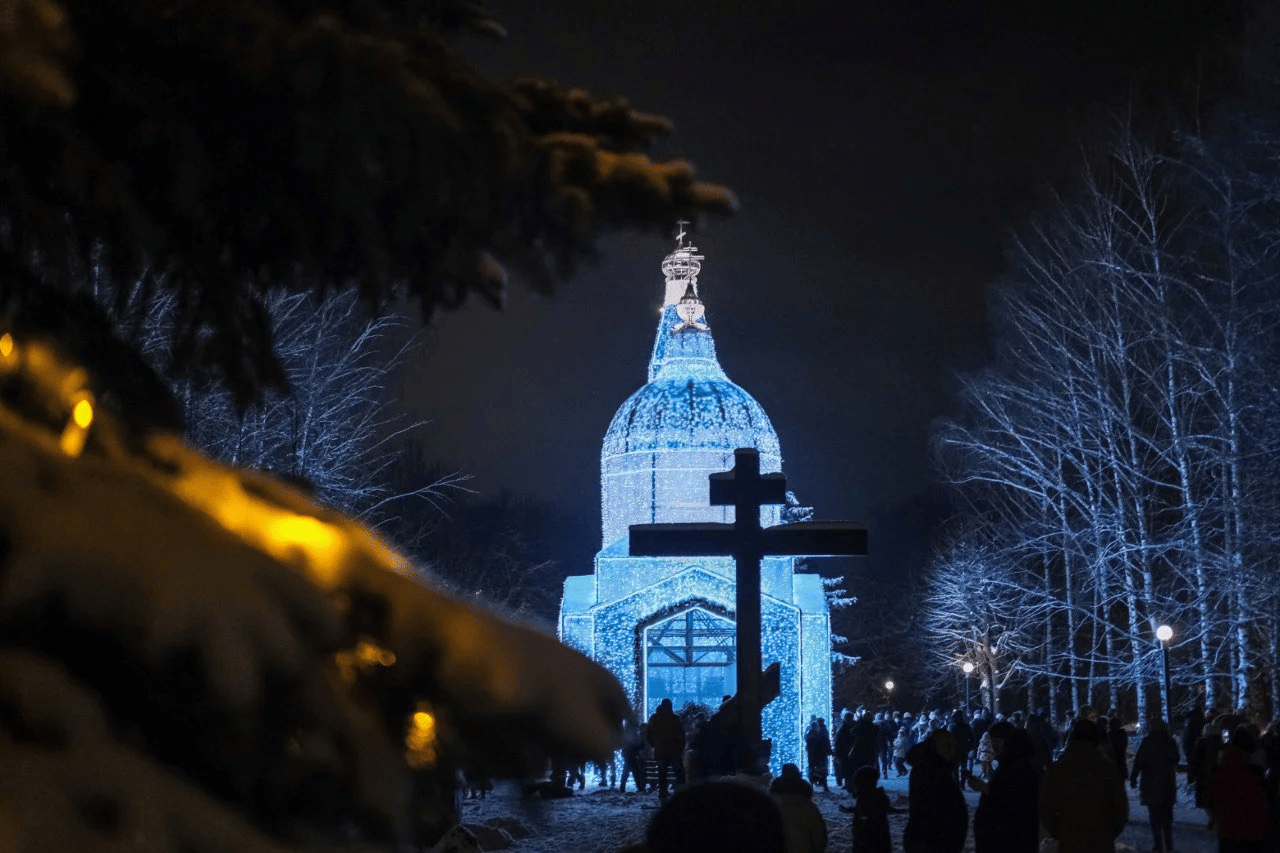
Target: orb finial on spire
{"x":690,"y":311}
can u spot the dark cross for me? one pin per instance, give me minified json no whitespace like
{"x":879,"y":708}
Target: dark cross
{"x":746,"y":491}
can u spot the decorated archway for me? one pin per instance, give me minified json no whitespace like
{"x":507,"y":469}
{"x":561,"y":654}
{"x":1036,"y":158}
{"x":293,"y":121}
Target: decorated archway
{"x":689,"y":657}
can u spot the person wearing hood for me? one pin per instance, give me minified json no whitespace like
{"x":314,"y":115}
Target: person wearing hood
{"x":1155,"y":765}
{"x":1082,"y":799}
{"x":803,"y":824}
{"x":1237,"y":796}
{"x":938,"y":819}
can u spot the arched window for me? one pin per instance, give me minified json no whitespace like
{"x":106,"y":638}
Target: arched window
{"x":690,"y":658}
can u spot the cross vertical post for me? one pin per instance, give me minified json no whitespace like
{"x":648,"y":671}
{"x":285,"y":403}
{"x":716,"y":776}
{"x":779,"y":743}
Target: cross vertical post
{"x":746,"y":490}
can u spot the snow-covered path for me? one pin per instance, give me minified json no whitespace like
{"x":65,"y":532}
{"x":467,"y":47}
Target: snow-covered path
{"x":599,"y":820}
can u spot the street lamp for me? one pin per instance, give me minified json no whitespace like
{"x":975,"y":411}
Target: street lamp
{"x":888,"y":688}
{"x":1164,"y":634}
{"x":968,"y":671}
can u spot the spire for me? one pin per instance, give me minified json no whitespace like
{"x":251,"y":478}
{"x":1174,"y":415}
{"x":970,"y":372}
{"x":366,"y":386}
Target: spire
{"x":683,"y":342}
{"x":681,"y":269}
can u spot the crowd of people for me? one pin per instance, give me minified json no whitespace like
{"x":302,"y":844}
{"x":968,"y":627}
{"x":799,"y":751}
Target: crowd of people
{"x":1040,"y":786}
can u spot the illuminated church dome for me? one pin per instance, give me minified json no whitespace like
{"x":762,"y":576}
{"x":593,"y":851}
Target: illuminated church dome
{"x":665,"y":626}
{"x":684,"y":424}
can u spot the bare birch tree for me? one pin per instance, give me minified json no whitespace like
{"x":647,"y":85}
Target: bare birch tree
{"x":1114,"y":461}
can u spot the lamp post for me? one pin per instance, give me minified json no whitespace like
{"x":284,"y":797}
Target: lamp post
{"x":968,"y":671}
{"x":1164,"y":634}
{"x":888,"y":688}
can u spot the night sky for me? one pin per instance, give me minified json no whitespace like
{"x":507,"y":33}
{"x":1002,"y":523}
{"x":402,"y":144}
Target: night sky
{"x":881,"y":152}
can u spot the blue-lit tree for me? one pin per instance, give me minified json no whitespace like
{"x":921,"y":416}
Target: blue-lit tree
{"x":334,"y":428}
{"x":1114,"y":457}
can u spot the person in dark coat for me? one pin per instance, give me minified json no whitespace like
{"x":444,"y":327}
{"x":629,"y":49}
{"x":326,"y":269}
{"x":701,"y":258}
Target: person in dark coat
{"x":888,"y":732}
{"x":1044,"y":736}
{"x":1192,"y":729}
{"x":666,"y":735}
{"x":1006,"y":820}
{"x":717,"y":816}
{"x":870,"y":814}
{"x":866,"y":747}
{"x":1118,"y":738}
{"x":1155,"y":766}
{"x":1238,"y":797}
{"x":1202,"y":765}
{"x":633,"y":763}
{"x":817,"y":748}
{"x":803,"y":824}
{"x":841,"y":749}
{"x":963,"y":733}
{"x":704,"y":747}
{"x":1270,"y":743}
{"x":939,"y":818}
{"x":1082,"y":800}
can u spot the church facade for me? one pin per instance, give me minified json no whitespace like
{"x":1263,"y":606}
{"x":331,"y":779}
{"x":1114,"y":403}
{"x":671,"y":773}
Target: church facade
{"x":665,"y":626}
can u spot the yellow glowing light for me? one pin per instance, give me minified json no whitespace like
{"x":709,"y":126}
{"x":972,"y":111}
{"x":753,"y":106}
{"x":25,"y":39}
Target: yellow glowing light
{"x":72,"y":440}
{"x":302,"y":530}
{"x":6,"y":345}
{"x":362,"y":658}
{"x":372,"y":653}
{"x":75,"y":433}
{"x":82,"y":414}
{"x":320,"y":543}
{"x":74,"y":382}
{"x":317,"y":547}
{"x":420,"y":740}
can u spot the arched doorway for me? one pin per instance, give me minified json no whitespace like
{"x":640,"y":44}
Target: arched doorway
{"x":689,"y":657}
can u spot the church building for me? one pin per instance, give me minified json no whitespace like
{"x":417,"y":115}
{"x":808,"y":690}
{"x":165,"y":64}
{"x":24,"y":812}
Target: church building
{"x":665,"y":626}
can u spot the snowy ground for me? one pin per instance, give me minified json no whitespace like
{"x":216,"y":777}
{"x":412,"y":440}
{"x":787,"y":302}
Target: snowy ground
{"x":600,"y":820}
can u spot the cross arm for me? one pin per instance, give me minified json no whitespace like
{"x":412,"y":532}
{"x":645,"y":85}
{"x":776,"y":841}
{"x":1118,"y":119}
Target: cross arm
{"x":815,"y":539}
{"x":727,"y":488}
{"x":682,"y":540}
{"x":803,"y":539}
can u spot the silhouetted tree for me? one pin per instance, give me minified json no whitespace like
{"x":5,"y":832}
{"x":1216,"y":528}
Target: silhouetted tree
{"x":216,"y":150}
{"x":201,"y":657}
